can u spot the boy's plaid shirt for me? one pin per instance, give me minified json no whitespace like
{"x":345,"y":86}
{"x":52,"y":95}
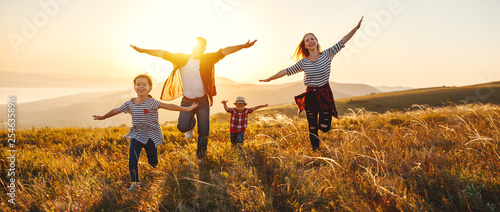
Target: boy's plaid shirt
{"x":239,"y":120}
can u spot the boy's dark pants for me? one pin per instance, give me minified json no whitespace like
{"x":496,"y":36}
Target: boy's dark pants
{"x":237,"y":138}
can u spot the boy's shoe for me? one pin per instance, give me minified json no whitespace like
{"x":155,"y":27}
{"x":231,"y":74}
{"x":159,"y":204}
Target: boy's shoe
{"x":133,"y":187}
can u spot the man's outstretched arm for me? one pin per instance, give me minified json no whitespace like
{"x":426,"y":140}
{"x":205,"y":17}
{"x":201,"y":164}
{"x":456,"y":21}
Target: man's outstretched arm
{"x":233,"y":49}
{"x":152,"y":52}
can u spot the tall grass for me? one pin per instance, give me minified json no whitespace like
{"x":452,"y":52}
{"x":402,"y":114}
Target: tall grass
{"x":426,"y":159}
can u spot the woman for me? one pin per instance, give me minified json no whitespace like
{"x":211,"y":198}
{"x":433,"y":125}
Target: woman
{"x":318,"y":98}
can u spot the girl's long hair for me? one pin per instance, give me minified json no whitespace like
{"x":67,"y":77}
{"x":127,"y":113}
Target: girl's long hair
{"x":148,"y":78}
{"x":301,"y":51}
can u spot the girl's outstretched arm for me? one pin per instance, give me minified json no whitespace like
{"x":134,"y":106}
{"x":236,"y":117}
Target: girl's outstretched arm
{"x":351,"y":33}
{"x":275,"y":76}
{"x":107,"y":115}
{"x":152,"y":52}
{"x":177,"y":107}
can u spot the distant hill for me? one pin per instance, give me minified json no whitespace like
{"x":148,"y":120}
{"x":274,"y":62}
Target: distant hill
{"x":278,"y":94}
{"x":403,"y":100}
{"x":50,"y":80}
{"x":392,"y":88}
{"x":77,"y":110}
{"x":439,"y":96}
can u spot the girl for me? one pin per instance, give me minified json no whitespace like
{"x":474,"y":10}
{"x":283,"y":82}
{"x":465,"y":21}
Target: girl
{"x":318,"y":99}
{"x":145,"y":131}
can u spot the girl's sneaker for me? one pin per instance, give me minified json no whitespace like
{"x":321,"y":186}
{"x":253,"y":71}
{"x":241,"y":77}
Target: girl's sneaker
{"x":134,"y":187}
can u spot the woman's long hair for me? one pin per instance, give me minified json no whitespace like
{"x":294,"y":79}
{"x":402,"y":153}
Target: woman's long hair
{"x":301,"y":51}
{"x":148,"y":78}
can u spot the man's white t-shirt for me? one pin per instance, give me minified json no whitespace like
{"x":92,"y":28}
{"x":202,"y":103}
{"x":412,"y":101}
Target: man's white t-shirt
{"x":191,"y":79}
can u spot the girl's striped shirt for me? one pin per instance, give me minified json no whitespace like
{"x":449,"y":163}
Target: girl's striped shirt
{"x":144,"y":121}
{"x":317,"y":73}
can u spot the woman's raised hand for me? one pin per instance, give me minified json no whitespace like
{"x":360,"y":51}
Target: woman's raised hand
{"x":359,"y":23}
{"x":96,"y":117}
{"x":265,"y":80}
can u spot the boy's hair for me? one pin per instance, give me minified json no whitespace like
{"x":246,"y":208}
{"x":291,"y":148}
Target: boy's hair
{"x":148,"y":78}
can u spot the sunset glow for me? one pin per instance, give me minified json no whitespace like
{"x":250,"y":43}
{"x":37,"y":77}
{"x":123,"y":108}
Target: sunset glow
{"x":400,"y":43}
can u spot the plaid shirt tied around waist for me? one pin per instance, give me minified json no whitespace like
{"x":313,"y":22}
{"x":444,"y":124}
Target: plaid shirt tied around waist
{"x":323,"y":95}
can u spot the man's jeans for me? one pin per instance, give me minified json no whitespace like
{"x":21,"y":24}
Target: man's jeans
{"x":135,"y":152}
{"x":186,"y":122}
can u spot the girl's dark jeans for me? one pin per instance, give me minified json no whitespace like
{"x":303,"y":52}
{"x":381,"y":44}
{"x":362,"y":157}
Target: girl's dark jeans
{"x":317,"y":119}
{"x":135,"y":152}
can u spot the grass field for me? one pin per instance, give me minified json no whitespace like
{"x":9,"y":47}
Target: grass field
{"x":423,"y":159}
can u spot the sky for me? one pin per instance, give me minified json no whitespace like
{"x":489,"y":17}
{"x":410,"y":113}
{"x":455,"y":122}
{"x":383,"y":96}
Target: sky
{"x":400,"y":43}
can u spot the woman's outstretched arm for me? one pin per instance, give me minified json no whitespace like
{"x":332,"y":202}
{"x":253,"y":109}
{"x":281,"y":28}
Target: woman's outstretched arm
{"x":278,"y":75}
{"x":351,"y":33}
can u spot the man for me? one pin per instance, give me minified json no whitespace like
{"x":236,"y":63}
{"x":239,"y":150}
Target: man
{"x":193,"y":78}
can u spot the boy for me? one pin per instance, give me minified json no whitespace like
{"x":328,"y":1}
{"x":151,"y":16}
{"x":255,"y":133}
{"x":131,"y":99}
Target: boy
{"x":239,"y":118}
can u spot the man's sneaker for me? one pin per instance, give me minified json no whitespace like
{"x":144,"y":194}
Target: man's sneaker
{"x":133,"y":187}
{"x":189,"y":134}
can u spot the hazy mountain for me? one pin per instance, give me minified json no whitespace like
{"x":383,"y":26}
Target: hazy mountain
{"x":77,"y":110}
{"x":392,"y":88}
{"x":40,"y":80}
{"x":435,"y":97}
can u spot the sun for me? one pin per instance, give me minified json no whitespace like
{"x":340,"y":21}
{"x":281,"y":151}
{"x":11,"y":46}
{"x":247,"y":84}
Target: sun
{"x":173,"y":26}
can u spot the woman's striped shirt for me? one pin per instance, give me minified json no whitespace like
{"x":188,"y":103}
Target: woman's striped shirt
{"x":317,"y":73}
{"x":144,"y":121}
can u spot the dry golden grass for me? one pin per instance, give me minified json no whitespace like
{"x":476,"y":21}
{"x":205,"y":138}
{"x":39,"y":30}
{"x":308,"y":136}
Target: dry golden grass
{"x":426,"y":159}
